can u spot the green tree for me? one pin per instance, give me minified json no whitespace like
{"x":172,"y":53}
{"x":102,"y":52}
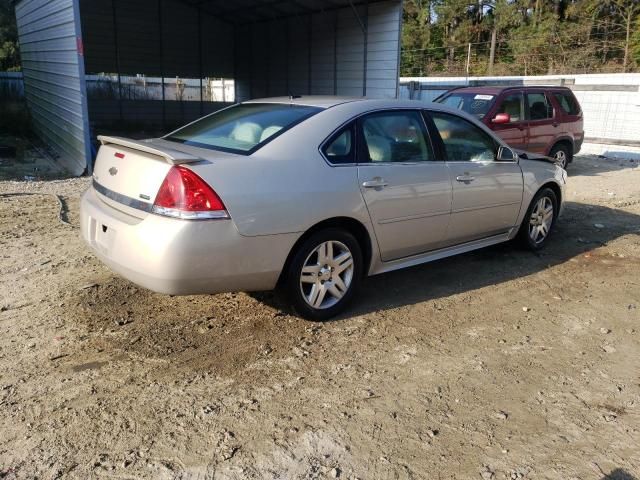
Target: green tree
{"x":9,"y":53}
{"x":520,"y":36}
{"x":635,"y":43}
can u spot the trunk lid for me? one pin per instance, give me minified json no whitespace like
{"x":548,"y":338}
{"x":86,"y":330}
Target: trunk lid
{"x":129,"y":173}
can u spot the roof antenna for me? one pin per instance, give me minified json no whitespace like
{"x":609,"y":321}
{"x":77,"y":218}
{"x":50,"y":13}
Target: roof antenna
{"x":292,"y":97}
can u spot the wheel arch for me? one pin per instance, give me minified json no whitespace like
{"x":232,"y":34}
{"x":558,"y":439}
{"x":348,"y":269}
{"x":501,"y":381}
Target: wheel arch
{"x":554,"y":187}
{"x":566,"y":141}
{"x":353,"y":226}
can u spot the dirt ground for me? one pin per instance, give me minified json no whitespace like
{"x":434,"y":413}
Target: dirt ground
{"x":495,"y":364}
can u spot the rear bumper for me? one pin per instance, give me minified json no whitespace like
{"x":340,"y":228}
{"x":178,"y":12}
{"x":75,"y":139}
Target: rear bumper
{"x":577,"y":144}
{"x":181,"y":257}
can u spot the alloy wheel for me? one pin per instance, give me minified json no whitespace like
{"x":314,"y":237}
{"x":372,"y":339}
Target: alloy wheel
{"x":561,"y":157}
{"x":541,"y":220}
{"x":326,"y":274}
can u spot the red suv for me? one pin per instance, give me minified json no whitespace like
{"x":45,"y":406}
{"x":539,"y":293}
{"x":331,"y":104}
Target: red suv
{"x":546,"y":120}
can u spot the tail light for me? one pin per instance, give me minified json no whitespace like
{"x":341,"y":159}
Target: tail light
{"x":183,"y":194}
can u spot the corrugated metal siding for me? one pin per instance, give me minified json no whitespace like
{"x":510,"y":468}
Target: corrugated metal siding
{"x":147,"y":46}
{"x":383,"y":49}
{"x":298,"y":56}
{"x":49,"y":35}
{"x":322,"y":54}
{"x":350,"y":53}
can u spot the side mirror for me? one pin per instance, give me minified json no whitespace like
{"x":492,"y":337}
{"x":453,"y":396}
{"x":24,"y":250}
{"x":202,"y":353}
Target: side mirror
{"x":505,"y":154}
{"x":502,"y":118}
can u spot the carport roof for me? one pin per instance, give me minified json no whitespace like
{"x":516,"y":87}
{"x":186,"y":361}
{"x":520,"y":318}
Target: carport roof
{"x":252,"y":11}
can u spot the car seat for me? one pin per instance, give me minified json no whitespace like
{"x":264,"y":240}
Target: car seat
{"x":379,"y":148}
{"x":538,"y":111}
{"x":269,"y":131}
{"x":247,"y":132}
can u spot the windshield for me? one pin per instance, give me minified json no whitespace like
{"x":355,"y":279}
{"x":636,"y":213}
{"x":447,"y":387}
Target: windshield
{"x":477,"y":104}
{"x":242,"y":128}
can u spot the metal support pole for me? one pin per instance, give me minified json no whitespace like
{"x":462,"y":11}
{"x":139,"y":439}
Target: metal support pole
{"x":161,"y":46}
{"x":366,"y":49}
{"x":310,"y":41}
{"x":287,"y":35}
{"x":335,"y":54}
{"x":117,"y":52}
{"x":468,"y":61}
{"x":235,"y":64}
{"x":200,"y":71}
{"x":364,"y":26}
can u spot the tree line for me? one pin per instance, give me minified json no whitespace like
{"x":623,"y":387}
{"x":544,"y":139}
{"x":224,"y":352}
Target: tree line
{"x":520,"y":37}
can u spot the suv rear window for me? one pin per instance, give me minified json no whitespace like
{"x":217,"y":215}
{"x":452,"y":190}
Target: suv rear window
{"x":567,"y":103}
{"x":477,"y":104}
{"x":242,"y":128}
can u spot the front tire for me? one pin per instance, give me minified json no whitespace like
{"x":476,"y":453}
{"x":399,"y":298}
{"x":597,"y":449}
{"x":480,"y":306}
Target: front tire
{"x":539,"y":220}
{"x":324,"y":274}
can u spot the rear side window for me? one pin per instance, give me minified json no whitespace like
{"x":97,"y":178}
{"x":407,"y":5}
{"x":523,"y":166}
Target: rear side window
{"x":539,"y":106}
{"x":567,"y":103}
{"x":340,"y":148}
{"x":463,"y":142}
{"x":242,"y":128}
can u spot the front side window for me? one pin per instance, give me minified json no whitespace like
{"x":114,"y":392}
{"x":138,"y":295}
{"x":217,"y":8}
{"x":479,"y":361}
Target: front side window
{"x":462,"y":140}
{"x":341,"y":147}
{"x":477,"y":104}
{"x":242,"y":128}
{"x":567,"y":103}
{"x":512,"y":105}
{"x":539,"y":106}
{"x":395,"y":137}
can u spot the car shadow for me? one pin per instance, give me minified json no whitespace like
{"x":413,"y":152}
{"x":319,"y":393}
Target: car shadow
{"x":574,"y":235}
{"x":593,"y":165}
{"x":618,"y":474}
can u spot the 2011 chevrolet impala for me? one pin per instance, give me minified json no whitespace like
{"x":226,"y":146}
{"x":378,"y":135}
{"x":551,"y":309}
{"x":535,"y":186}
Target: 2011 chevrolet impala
{"x":311,"y":194}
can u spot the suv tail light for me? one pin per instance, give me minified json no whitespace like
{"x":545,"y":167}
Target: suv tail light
{"x":183,"y":194}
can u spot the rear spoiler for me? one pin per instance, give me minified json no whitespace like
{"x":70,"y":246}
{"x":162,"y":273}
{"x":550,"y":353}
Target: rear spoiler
{"x":174,"y":157}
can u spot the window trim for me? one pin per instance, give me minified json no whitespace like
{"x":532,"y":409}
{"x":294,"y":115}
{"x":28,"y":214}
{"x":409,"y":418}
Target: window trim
{"x":443,"y":149}
{"x":527,"y":112}
{"x":257,"y":146}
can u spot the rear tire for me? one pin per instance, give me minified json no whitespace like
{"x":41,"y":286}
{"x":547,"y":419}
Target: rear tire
{"x":539,"y":220}
{"x":562,"y":152}
{"x":324,"y":274}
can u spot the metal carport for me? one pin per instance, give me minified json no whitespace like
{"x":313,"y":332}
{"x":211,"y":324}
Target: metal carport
{"x":146,"y":53}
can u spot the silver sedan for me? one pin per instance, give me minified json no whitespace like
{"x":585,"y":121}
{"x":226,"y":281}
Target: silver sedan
{"x":311,"y":195}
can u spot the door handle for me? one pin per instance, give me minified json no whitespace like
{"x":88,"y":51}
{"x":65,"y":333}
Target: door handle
{"x":465,"y":178}
{"x":555,"y":124}
{"x":376,"y":182}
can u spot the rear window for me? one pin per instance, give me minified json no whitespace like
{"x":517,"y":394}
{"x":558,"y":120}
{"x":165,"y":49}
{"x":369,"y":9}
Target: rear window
{"x":477,"y":104}
{"x":567,"y":103}
{"x":242,"y":128}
